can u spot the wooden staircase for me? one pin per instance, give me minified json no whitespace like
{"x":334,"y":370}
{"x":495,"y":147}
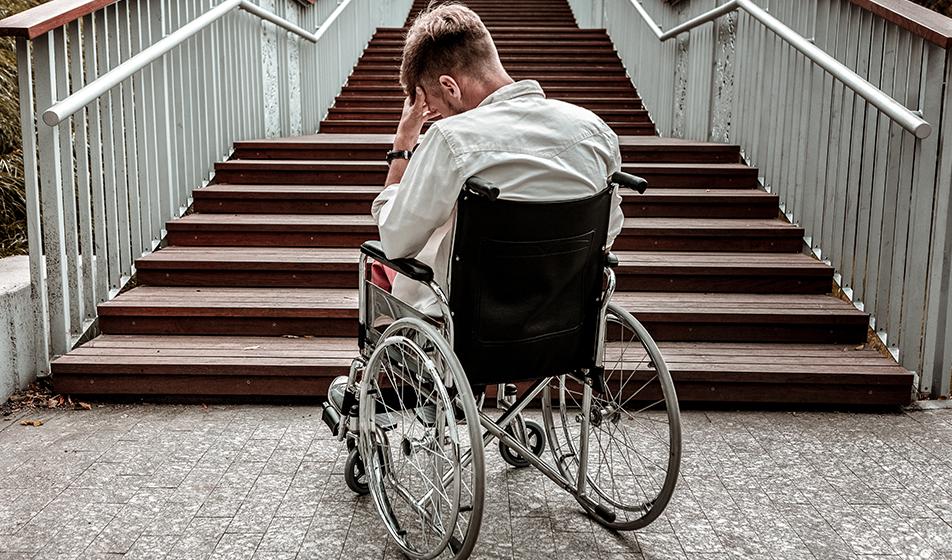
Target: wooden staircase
{"x":256,"y":292}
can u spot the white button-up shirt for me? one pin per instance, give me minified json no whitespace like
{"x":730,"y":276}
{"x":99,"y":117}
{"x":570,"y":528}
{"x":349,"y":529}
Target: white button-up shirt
{"x":529,"y":147}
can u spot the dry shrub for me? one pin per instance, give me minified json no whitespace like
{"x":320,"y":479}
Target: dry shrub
{"x":941,"y":6}
{"x":12,"y":196}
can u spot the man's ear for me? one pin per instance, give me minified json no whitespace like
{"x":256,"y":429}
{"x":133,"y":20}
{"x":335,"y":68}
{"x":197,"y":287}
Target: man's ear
{"x":450,"y":86}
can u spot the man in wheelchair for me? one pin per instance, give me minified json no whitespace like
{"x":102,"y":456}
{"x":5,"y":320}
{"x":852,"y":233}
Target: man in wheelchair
{"x":496,"y":231}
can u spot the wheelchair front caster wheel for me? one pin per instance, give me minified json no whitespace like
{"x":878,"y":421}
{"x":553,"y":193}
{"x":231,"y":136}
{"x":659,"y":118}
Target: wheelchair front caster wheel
{"x":355,"y":475}
{"x":535,"y":441}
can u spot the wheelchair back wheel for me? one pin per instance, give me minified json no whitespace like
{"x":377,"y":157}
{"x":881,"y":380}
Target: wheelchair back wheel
{"x":634,"y":428}
{"x":421,"y":443}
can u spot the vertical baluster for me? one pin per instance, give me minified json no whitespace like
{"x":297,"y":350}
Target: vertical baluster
{"x":869,"y":162}
{"x":87,"y":284}
{"x":28,"y":130}
{"x":68,"y":186}
{"x":167,"y":151}
{"x":818,"y":135}
{"x":137,"y":146}
{"x":885,"y":133}
{"x":128,"y":169}
{"x":846,"y":266}
{"x":838,"y":147}
{"x":892,"y":305}
{"x":96,"y":172}
{"x":51,"y":201}
{"x":897,"y":144}
{"x":111,"y":179}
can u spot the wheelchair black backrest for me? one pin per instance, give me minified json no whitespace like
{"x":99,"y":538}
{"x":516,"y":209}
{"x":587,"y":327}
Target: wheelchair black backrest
{"x":525,"y":284}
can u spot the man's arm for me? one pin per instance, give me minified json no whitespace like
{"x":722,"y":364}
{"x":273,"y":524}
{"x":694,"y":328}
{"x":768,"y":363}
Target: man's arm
{"x":412,"y":120}
{"x":421,"y":193}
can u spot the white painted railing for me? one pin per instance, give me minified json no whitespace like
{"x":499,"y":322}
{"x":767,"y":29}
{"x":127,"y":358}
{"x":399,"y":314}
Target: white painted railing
{"x":864,"y":165}
{"x":139,"y":99}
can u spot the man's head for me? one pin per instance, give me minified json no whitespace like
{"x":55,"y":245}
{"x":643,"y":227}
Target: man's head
{"x":450,"y":55}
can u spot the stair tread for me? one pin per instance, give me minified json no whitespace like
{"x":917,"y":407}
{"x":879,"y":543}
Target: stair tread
{"x":235,"y":222}
{"x":386,"y":140}
{"x":273,"y":302}
{"x":753,"y":359}
{"x":318,"y":258}
{"x":269,"y":190}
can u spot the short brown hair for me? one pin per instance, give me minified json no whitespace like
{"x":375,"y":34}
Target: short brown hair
{"x":445,"y":39}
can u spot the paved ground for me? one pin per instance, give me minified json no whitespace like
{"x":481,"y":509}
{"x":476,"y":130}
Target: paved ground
{"x":264,"y":482}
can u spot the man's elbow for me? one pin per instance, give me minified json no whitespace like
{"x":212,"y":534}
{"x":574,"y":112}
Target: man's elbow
{"x":396,"y":245}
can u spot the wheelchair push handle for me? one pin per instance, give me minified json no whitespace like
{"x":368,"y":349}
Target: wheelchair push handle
{"x":633,"y":182}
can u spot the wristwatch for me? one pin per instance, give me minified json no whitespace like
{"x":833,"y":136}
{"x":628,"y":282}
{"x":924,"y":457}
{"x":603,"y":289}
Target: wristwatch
{"x":398,"y":154}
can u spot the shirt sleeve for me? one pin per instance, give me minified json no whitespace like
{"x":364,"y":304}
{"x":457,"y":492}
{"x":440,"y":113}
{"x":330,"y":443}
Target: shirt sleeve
{"x":618,"y":217}
{"x":409,"y":212}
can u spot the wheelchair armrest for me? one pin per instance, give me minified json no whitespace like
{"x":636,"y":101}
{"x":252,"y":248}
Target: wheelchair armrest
{"x":611,"y":260}
{"x":628,"y":180}
{"x":411,"y":268}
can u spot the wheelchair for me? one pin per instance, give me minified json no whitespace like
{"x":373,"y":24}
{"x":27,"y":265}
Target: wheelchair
{"x":529,"y":314}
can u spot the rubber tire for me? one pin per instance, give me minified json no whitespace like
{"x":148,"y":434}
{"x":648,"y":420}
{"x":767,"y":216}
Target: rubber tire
{"x":354,"y":472}
{"x":535,"y":435}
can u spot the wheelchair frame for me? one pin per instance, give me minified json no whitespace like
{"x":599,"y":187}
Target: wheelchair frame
{"x":346,"y":422}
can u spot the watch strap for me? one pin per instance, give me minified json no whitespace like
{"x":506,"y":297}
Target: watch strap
{"x":398,"y":154}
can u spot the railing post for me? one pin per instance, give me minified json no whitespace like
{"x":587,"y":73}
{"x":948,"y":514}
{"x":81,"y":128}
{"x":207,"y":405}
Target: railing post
{"x":38,"y":291}
{"x":269,"y":65}
{"x":936,"y":372}
{"x":50,"y":199}
{"x":722,"y":90}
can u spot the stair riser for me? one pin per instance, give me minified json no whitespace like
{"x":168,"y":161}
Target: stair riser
{"x":716,"y":242}
{"x":678,"y":328}
{"x":545,"y":81}
{"x":628,"y":278}
{"x":612,"y":92}
{"x":316,"y":386}
{"x":330,"y":176}
{"x":627,"y":241}
{"x":307,"y":384}
{"x":629,"y":116}
{"x":517,"y":71}
{"x":257,"y":326}
{"x":374,"y":152}
{"x":633,"y":207}
{"x":388,"y":127}
{"x":397,"y":101}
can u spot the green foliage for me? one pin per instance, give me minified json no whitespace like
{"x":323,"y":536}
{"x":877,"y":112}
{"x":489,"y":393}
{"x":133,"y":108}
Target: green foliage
{"x":12,"y":196}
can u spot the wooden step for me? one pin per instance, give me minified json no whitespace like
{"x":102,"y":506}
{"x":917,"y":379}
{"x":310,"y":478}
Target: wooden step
{"x":330,"y":199}
{"x":370,"y":147}
{"x":250,"y":366}
{"x":608,"y":91}
{"x":535,"y":31}
{"x":322,"y":230}
{"x":517,"y":71}
{"x":374,"y":172}
{"x":274,"y":366}
{"x":393,"y":114}
{"x":333,"y":312}
{"x":383,"y":127}
{"x":337,"y":268}
{"x":384,"y":101}
{"x":554,"y":80}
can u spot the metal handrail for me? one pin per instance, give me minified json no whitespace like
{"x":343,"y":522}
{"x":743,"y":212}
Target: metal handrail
{"x":906,"y":118}
{"x":66,"y":108}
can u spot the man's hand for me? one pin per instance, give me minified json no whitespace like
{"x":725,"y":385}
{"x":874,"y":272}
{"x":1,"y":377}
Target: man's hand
{"x":412,"y":120}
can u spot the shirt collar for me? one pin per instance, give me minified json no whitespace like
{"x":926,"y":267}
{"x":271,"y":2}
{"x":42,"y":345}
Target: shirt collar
{"x":521,"y":88}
